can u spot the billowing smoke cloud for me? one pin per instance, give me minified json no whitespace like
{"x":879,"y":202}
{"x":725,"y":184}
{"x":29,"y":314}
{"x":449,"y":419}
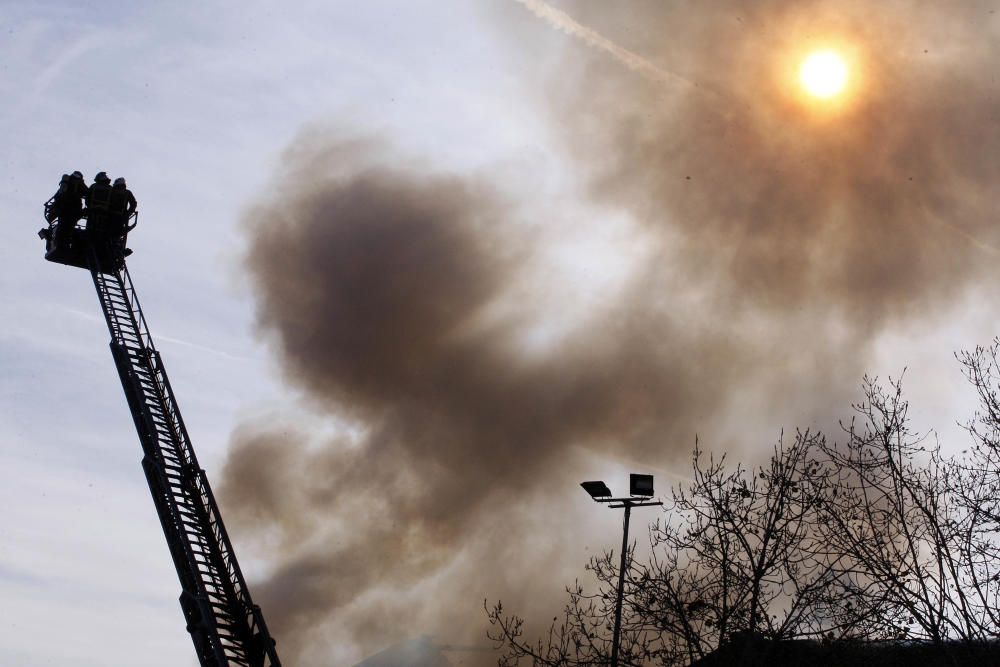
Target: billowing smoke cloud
{"x":379,"y":282}
{"x":786,"y":238}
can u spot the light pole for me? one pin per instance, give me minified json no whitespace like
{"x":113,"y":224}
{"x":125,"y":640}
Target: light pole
{"x":640,"y":488}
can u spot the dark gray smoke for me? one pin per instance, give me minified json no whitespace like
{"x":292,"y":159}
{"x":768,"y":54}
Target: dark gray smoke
{"x":785,"y":240}
{"x":376,"y":284}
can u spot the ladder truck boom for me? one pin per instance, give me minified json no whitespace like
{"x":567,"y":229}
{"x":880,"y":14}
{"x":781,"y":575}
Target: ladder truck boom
{"x":226,"y":627}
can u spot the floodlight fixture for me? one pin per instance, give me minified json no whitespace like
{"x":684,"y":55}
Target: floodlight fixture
{"x":640,"y":485}
{"x":596,"y":489}
{"x":641,"y":493}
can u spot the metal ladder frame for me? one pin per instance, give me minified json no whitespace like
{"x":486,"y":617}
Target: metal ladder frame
{"x":227,"y":628}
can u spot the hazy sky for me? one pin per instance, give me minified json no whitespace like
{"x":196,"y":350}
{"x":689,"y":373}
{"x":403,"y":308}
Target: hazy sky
{"x":617,"y":232}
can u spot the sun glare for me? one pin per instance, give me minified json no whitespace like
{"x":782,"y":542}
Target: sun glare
{"x":823,"y":74}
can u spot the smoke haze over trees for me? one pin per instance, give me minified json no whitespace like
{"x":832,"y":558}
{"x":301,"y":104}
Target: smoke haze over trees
{"x":399,"y":295}
{"x":877,"y":537}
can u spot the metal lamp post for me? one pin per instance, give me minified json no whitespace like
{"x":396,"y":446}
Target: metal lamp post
{"x":640,"y":492}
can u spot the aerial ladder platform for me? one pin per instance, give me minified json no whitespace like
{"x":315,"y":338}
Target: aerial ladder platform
{"x":226,"y":627}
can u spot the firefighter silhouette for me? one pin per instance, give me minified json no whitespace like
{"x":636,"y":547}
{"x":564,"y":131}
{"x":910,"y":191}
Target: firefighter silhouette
{"x":121,"y":206}
{"x":67,"y":207}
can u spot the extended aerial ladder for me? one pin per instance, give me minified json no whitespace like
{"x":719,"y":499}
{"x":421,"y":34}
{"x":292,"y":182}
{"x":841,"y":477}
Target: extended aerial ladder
{"x":227,"y":628}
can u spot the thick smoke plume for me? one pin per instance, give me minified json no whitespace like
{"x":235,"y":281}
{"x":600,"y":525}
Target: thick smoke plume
{"x":786,"y":238}
{"x":379,"y":282}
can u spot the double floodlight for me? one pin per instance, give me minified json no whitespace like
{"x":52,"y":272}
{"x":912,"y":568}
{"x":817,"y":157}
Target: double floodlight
{"x":639,"y":486}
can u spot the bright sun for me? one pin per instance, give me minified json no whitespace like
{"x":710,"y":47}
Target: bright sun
{"x":823,"y":74}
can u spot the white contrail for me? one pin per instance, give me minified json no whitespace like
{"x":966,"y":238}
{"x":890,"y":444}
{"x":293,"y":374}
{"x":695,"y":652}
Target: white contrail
{"x":73,"y":53}
{"x":564,"y":22}
{"x":204,"y":348}
{"x":952,"y":227}
{"x":169,"y":339}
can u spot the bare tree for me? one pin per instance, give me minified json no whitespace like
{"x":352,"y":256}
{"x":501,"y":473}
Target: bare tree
{"x":742,"y":554}
{"x":889,"y":516}
{"x":976,"y":483}
{"x":877,"y":537}
{"x":736,"y":553}
{"x":582,"y":636}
